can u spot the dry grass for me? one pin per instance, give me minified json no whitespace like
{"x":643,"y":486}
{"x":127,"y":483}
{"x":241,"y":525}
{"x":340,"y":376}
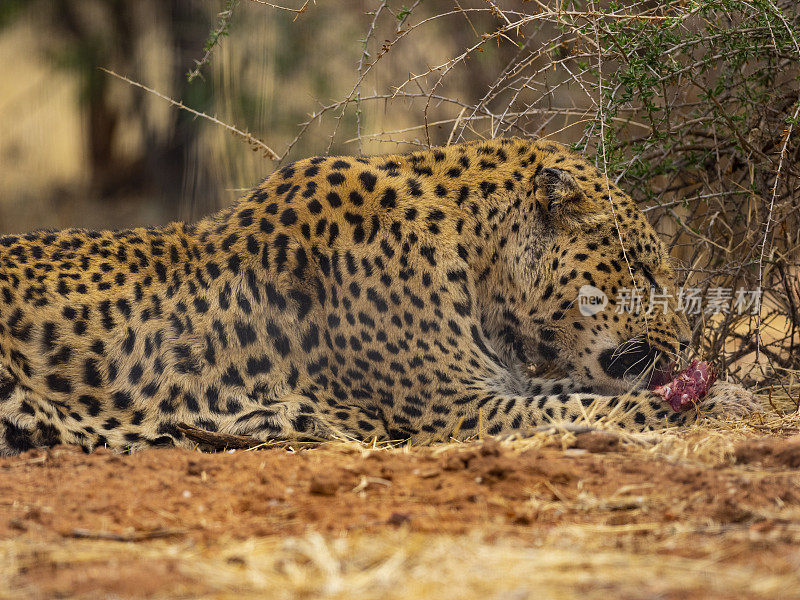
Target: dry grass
{"x":398,"y":564}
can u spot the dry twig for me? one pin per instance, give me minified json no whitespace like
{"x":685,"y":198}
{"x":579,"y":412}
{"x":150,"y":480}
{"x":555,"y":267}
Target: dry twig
{"x":254,"y":142}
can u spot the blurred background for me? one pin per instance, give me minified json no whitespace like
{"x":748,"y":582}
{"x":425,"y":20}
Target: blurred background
{"x":81,"y":148}
{"x":690,"y":106}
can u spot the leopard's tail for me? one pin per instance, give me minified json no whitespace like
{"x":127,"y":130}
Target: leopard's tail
{"x":23,"y":425}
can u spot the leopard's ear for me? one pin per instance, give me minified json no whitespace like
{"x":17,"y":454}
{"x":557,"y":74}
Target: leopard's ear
{"x":562,"y":200}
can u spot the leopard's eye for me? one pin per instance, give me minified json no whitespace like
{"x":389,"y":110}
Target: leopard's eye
{"x":649,"y":276}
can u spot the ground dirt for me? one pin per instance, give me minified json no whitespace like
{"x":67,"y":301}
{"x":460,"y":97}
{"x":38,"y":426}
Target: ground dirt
{"x":595,"y":515}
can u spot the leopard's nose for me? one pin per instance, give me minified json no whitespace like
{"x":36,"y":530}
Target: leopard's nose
{"x":628,"y":359}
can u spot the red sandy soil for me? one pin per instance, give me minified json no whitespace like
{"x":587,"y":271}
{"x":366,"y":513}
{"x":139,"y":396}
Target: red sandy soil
{"x":62,"y":494}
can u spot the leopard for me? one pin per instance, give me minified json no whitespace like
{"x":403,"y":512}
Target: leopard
{"x":399,"y":297}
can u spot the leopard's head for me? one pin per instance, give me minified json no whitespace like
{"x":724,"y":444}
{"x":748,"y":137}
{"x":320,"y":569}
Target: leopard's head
{"x":598,"y":297}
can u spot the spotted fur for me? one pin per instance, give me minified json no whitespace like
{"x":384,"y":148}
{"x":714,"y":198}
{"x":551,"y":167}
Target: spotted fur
{"x":393,"y":297}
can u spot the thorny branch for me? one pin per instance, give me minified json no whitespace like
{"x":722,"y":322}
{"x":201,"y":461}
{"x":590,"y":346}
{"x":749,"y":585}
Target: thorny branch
{"x":214,"y":38}
{"x":254,"y":142}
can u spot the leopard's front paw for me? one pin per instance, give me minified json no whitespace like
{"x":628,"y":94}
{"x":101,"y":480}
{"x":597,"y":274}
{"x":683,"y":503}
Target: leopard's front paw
{"x":729,"y":400}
